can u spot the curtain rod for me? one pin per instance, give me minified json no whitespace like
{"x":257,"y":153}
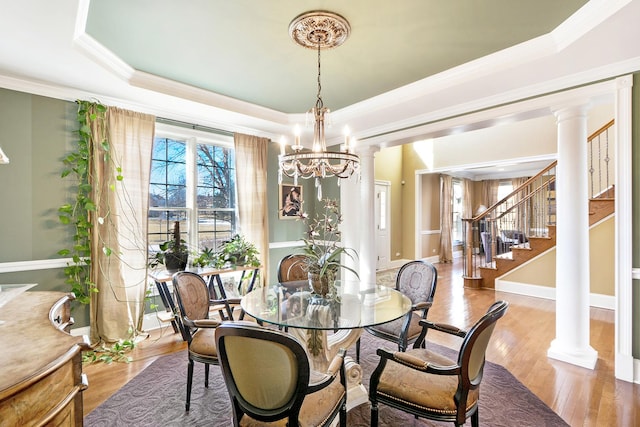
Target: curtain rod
{"x":193,"y":126}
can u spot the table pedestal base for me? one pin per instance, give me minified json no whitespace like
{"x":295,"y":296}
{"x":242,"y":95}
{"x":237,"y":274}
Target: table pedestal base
{"x":322,"y":347}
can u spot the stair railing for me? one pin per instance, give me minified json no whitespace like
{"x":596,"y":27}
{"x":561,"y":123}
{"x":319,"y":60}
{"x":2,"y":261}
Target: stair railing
{"x":601,"y":162}
{"x":525,"y":212}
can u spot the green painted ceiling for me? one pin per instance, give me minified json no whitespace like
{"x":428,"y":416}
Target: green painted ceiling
{"x":242,"y":49}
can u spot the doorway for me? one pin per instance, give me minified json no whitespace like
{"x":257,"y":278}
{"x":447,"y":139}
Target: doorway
{"x":382,"y":216}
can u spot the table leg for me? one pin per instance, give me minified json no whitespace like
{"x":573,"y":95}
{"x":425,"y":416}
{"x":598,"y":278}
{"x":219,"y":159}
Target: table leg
{"x":170,"y":306}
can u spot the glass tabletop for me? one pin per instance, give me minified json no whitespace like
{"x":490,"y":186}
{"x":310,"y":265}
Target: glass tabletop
{"x":300,"y":308}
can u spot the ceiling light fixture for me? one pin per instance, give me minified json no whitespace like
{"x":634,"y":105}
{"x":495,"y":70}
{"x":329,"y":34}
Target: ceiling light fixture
{"x":318,"y":30}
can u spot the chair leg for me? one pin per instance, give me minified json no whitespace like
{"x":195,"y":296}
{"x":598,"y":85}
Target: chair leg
{"x":358,"y":351}
{"x":343,"y":415}
{"x":475,"y":419}
{"x":374,"y":415}
{"x":189,"y":381}
{"x":206,"y":375}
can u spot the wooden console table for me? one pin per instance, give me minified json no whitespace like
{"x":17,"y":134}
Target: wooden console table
{"x":41,"y":380}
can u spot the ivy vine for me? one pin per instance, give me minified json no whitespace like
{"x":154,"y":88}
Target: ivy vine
{"x":80,"y":213}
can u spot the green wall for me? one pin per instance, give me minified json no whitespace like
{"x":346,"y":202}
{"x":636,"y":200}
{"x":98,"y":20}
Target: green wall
{"x":288,"y":232}
{"x":388,"y":167}
{"x":35,"y":133}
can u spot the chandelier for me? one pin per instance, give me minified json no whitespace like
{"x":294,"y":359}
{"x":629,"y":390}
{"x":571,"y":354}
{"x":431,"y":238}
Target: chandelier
{"x":318,"y":30}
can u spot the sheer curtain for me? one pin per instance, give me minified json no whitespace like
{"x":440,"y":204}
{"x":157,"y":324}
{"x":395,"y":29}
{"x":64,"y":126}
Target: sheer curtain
{"x":467,"y":197}
{"x":251,"y":184}
{"x":446,"y":218}
{"x":119,"y":235}
{"x":490,"y":191}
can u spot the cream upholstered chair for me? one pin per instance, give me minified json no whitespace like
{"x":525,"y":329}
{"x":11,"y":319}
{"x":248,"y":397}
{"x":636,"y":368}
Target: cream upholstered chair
{"x":270,"y":383}
{"x":429,"y":385}
{"x":194,"y":304}
{"x":417,"y":280}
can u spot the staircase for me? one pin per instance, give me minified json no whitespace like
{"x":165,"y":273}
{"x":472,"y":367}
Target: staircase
{"x":522,"y":226}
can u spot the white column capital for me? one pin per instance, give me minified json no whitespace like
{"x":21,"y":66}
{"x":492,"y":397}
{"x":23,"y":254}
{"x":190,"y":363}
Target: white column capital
{"x":571,"y":110}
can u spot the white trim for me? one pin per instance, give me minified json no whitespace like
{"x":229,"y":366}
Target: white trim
{"x":150,"y":322}
{"x":429,"y":232}
{"x":417,"y":197}
{"x":595,"y":300}
{"x":42,"y":264}
{"x":432,"y":259}
{"x":623,"y":341}
{"x":635,"y":273}
{"x":286,"y":244}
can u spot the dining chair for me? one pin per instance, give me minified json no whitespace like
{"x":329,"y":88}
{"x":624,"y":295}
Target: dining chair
{"x":417,"y":280}
{"x":269,"y":379}
{"x":429,"y":385}
{"x":194,"y":304}
{"x":292,"y":273}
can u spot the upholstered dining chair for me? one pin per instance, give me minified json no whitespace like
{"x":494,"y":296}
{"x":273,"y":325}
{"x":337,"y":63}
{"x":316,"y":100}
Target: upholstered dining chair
{"x":417,"y":280}
{"x":429,"y":385}
{"x":270,"y":382}
{"x":291,"y":271}
{"x":194,"y":304}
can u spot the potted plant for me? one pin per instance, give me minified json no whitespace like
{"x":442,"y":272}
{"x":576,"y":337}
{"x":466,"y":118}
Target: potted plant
{"x":174,"y":253}
{"x":322,"y":249}
{"x":236,"y":252}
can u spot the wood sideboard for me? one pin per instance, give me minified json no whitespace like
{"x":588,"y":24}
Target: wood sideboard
{"x":41,"y":380}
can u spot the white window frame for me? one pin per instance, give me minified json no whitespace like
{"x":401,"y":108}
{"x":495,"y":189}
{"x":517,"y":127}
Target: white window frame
{"x":192,"y":138}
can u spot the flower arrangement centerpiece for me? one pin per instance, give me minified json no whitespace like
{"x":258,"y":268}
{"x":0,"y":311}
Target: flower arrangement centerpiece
{"x":322,"y":248}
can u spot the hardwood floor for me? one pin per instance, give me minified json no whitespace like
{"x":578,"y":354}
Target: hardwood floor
{"x":580,"y":396}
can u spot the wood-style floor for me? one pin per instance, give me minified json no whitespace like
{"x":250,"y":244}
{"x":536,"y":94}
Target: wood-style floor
{"x":580,"y":396}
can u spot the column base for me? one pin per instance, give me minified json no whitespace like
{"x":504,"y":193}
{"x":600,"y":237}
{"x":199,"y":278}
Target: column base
{"x":585,"y":357}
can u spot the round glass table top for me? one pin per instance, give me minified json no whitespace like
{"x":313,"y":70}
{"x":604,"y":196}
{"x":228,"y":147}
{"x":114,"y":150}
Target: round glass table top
{"x":297,"y":307}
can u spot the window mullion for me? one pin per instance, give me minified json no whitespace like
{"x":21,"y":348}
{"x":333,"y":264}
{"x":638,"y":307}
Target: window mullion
{"x":192,"y":189}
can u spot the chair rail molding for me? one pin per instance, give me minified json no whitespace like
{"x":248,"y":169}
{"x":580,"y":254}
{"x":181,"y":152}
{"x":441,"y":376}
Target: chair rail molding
{"x":42,"y":264}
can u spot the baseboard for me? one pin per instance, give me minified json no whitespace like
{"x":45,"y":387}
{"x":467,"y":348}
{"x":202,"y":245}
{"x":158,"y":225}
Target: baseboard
{"x":150,"y":322}
{"x":595,"y":300}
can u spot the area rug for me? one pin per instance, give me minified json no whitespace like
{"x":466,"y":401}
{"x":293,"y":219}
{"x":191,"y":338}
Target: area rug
{"x":156,"y":397}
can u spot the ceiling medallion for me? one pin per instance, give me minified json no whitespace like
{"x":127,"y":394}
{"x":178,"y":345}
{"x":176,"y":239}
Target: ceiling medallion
{"x":318,"y":30}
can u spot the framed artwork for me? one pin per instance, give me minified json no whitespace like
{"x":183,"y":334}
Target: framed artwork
{"x":290,"y":197}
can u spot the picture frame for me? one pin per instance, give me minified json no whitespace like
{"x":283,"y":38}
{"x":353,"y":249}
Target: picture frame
{"x":290,"y":201}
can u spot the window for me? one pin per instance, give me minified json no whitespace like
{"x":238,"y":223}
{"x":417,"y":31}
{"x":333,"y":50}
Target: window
{"x":192,"y":181}
{"x":456,"y":209}
{"x":504,"y":189}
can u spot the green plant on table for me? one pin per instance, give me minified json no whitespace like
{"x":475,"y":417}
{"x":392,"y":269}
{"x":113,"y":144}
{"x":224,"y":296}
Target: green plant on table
{"x":236,"y":251}
{"x":173,"y":253}
{"x":322,"y":248}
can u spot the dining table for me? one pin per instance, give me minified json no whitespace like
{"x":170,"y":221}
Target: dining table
{"x":325,"y":324}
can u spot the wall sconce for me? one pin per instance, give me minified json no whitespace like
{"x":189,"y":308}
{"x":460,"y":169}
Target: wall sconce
{"x":3,"y":158}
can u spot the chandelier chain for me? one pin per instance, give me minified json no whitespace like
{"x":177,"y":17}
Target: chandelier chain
{"x":319,"y":103}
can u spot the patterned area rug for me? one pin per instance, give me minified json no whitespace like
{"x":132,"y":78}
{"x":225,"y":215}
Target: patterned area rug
{"x":156,"y":398}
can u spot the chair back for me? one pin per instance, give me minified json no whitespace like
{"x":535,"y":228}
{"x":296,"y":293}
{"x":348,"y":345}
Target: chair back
{"x":266,"y":372}
{"x":192,"y":295}
{"x":472,"y":353}
{"x":417,"y":280}
{"x":291,"y":269}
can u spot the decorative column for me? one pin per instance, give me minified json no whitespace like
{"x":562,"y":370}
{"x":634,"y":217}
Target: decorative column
{"x":349,"y":208}
{"x":572,"y":241}
{"x":358,"y":208}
